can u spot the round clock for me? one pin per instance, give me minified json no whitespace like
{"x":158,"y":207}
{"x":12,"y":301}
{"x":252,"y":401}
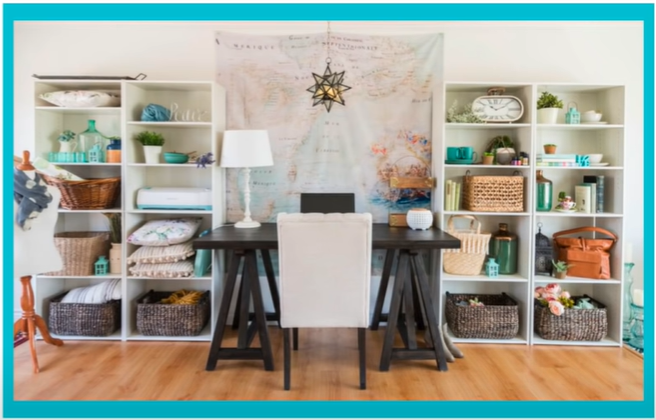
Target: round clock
{"x":497,"y":107}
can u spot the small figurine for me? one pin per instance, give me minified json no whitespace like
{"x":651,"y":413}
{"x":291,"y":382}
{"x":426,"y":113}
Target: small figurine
{"x":204,"y":160}
{"x":565,"y":202}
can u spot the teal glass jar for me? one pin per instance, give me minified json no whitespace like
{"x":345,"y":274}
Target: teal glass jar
{"x":627,"y":302}
{"x":89,"y":138}
{"x":637,"y":327}
{"x":503,"y":248}
{"x":544,"y":193}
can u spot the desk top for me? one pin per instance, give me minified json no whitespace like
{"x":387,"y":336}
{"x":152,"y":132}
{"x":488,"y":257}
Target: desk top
{"x":383,"y":237}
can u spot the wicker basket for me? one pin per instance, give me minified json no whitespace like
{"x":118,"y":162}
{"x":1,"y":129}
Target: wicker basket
{"x":80,"y":251}
{"x":498,"y":319}
{"x":573,"y":324}
{"x":91,"y":194}
{"x":493,"y":193}
{"x":161,"y":319}
{"x":468,"y":260}
{"x":85,"y":319}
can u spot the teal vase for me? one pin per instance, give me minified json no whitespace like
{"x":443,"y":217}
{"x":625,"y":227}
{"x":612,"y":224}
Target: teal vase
{"x":89,"y":138}
{"x":627,"y":301}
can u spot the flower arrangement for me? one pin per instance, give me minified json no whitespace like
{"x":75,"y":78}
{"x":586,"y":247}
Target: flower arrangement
{"x":114,"y":220}
{"x":554,"y":297}
{"x":464,"y":116}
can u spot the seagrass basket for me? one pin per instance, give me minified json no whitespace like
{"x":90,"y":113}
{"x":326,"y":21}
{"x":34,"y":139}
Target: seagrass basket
{"x":163,"y":319}
{"x":91,"y":194}
{"x":498,"y":319}
{"x":573,"y":324}
{"x":493,"y":193}
{"x":79,"y":252}
{"x":84,"y":319}
{"x":468,"y":260}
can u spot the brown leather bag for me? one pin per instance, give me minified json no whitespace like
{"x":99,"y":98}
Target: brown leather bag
{"x":590,"y":257}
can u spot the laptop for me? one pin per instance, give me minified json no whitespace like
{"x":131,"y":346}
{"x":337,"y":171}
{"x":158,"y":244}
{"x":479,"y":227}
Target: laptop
{"x":327,"y":203}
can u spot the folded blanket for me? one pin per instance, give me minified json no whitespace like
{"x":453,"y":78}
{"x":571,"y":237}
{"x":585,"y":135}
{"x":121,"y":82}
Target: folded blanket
{"x":100,"y":293}
{"x":31,"y":196}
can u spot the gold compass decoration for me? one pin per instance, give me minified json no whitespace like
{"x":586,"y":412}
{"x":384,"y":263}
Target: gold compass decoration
{"x":328,"y":89}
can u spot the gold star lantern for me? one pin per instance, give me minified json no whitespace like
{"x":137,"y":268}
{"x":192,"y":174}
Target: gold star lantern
{"x":328,"y":89}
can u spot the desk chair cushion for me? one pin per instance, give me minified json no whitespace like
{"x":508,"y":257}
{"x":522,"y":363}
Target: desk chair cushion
{"x":325,"y":269}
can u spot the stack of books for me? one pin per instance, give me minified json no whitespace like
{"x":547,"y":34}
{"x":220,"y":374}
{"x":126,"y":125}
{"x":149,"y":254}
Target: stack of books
{"x":452,"y":196}
{"x":556,"y":160}
{"x":589,"y":195}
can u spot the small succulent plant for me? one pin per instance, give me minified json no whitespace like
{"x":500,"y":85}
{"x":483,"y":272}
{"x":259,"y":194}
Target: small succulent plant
{"x":561,"y":266}
{"x":548,"y":100}
{"x":149,"y":138}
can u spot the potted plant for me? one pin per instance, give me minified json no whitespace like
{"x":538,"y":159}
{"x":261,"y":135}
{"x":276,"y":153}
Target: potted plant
{"x":548,"y":107}
{"x":550,"y":149}
{"x":152,"y":144}
{"x":488,"y":158}
{"x":116,"y":251}
{"x":502,"y":148}
{"x":66,"y":143}
{"x":561,"y":268}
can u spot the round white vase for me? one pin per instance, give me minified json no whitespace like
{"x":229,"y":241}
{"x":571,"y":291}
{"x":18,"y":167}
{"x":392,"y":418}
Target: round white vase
{"x":152,"y":154}
{"x":419,"y":219}
{"x":548,"y":115}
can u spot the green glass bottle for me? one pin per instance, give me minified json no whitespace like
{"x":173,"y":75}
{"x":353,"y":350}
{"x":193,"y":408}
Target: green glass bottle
{"x":503,"y":248}
{"x":544,"y":192}
{"x":89,"y":138}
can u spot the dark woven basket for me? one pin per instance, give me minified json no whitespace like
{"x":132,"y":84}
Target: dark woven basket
{"x":162,"y":319}
{"x":84,"y":319}
{"x":573,"y":324}
{"x":498,"y":319}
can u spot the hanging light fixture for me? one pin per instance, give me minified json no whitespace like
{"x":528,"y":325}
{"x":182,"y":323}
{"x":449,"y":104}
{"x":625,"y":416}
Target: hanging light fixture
{"x":328,"y":88}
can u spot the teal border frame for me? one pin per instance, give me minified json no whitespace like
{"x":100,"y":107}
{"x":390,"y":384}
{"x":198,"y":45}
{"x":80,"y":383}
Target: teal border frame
{"x":346,"y":12}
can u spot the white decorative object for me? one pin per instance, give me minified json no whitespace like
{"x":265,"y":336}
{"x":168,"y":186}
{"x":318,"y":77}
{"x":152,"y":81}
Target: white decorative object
{"x":497,"y":107}
{"x":591,"y":117}
{"x":152,"y":154}
{"x":595,"y":158}
{"x":548,"y":115}
{"x":82,"y":98}
{"x":171,"y":198}
{"x":246,"y":149}
{"x":419,"y":219}
{"x":638,"y":297}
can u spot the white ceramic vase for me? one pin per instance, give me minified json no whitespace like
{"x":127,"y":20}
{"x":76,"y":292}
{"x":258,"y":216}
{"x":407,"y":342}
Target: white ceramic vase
{"x":419,"y":219}
{"x":152,"y":154}
{"x":67,"y":146}
{"x":548,"y":115}
{"x":115,"y":259}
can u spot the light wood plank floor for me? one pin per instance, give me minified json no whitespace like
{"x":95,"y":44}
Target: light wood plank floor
{"x":324,"y":368}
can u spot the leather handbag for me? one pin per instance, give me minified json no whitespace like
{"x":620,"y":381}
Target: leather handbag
{"x":590,"y":258}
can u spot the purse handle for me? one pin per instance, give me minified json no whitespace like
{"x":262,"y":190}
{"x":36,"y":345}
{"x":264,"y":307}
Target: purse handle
{"x":586,"y":229}
{"x":463,"y":216}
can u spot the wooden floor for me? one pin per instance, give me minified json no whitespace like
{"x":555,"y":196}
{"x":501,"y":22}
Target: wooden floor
{"x":324,"y":368}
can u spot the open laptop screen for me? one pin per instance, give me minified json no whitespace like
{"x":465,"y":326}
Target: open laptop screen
{"x":327,"y":203}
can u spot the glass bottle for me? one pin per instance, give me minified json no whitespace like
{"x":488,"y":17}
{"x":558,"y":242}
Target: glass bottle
{"x":89,"y":138}
{"x":627,"y":302}
{"x":114,"y":150}
{"x":637,"y":328}
{"x":544,"y":192}
{"x":503,"y":248}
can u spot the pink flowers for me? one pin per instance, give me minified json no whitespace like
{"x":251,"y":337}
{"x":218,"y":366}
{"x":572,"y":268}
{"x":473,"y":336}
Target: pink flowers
{"x":554,"y":297}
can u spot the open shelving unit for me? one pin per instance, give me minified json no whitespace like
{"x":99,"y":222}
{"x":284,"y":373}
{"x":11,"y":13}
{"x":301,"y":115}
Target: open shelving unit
{"x":124,"y":121}
{"x":529,"y":137}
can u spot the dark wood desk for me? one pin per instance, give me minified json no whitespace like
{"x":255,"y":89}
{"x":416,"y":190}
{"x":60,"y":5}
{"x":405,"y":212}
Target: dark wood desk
{"x":410,"y":276}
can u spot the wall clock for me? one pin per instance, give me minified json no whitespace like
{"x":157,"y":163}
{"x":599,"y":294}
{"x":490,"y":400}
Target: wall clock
{"x":497,"y":107}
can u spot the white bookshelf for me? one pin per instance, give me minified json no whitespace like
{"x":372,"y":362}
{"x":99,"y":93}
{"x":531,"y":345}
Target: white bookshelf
{"x":529,"y":136}
{"x":124,"y":121}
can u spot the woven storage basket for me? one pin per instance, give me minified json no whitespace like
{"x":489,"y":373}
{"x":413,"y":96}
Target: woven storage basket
{"x":469,"y":259}
{"x":573,"y":324}
{"x":161,"y":319}
{"x":86,"y":319}
{"x":493,"y":193}
{"x":91,"y":194}
{"x":79,"y":251}
{"x":498,"y":319}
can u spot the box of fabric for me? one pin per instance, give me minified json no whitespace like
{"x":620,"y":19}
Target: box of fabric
{"x":93,"y":311}
{"x":181,"y":313}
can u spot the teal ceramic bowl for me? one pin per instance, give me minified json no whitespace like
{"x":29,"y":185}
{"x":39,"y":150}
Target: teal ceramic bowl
{"x":175,"y":158}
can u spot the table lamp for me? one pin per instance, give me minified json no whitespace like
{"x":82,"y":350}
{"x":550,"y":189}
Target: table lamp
{"x":246,"y":149}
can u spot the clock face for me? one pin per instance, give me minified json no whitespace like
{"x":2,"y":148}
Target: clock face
{"x":498,"y":108}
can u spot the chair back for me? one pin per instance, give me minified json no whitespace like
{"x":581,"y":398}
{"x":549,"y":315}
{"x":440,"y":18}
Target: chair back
{"x":325,"y":269}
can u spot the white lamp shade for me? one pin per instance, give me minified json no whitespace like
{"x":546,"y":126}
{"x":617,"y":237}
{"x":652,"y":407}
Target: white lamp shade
{"x":246,"y":149}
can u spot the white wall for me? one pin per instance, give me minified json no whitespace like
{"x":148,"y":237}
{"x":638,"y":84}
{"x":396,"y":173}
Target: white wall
{"x":496,"y":52}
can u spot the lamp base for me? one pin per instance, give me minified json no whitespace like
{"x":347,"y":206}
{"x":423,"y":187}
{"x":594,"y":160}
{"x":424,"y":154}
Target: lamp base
{"x":251,"y":224}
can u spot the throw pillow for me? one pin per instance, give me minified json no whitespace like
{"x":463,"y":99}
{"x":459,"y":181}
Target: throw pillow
{"x":165,"y":232}
{"x":160,"y":254}
{"x":165,"y":270}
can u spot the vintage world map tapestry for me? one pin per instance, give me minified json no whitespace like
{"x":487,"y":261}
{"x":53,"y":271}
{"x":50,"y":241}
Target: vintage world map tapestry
{"x":383,"y":129}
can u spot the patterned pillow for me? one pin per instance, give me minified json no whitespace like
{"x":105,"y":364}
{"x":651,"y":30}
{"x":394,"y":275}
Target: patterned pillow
{"x":165,"y":270}
{"x":160,"y":254}
{"x":165,"y":232}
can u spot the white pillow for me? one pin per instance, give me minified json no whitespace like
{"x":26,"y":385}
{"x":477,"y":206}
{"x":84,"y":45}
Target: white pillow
{"x":166,"y":270}
{"x":160,"y":254}
{"x":100,"y":293}
{"x":165,"y":232}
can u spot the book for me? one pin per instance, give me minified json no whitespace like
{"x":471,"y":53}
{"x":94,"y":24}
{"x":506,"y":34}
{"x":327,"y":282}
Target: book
{"x":593,"y":196}
{"x":582,"y":194}
{"x":457,"y":200}
{"x":599,"y":181}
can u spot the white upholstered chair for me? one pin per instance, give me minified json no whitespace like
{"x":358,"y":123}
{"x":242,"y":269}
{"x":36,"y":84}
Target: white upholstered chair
{"x":325,"y":275}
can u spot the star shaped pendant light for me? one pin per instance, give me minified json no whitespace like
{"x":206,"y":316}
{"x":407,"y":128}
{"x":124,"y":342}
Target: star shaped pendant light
{"x":328,"y":89}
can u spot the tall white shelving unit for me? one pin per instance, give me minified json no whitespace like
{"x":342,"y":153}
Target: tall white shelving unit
{"x":529,"y":136}
{"x":125,"y":121}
